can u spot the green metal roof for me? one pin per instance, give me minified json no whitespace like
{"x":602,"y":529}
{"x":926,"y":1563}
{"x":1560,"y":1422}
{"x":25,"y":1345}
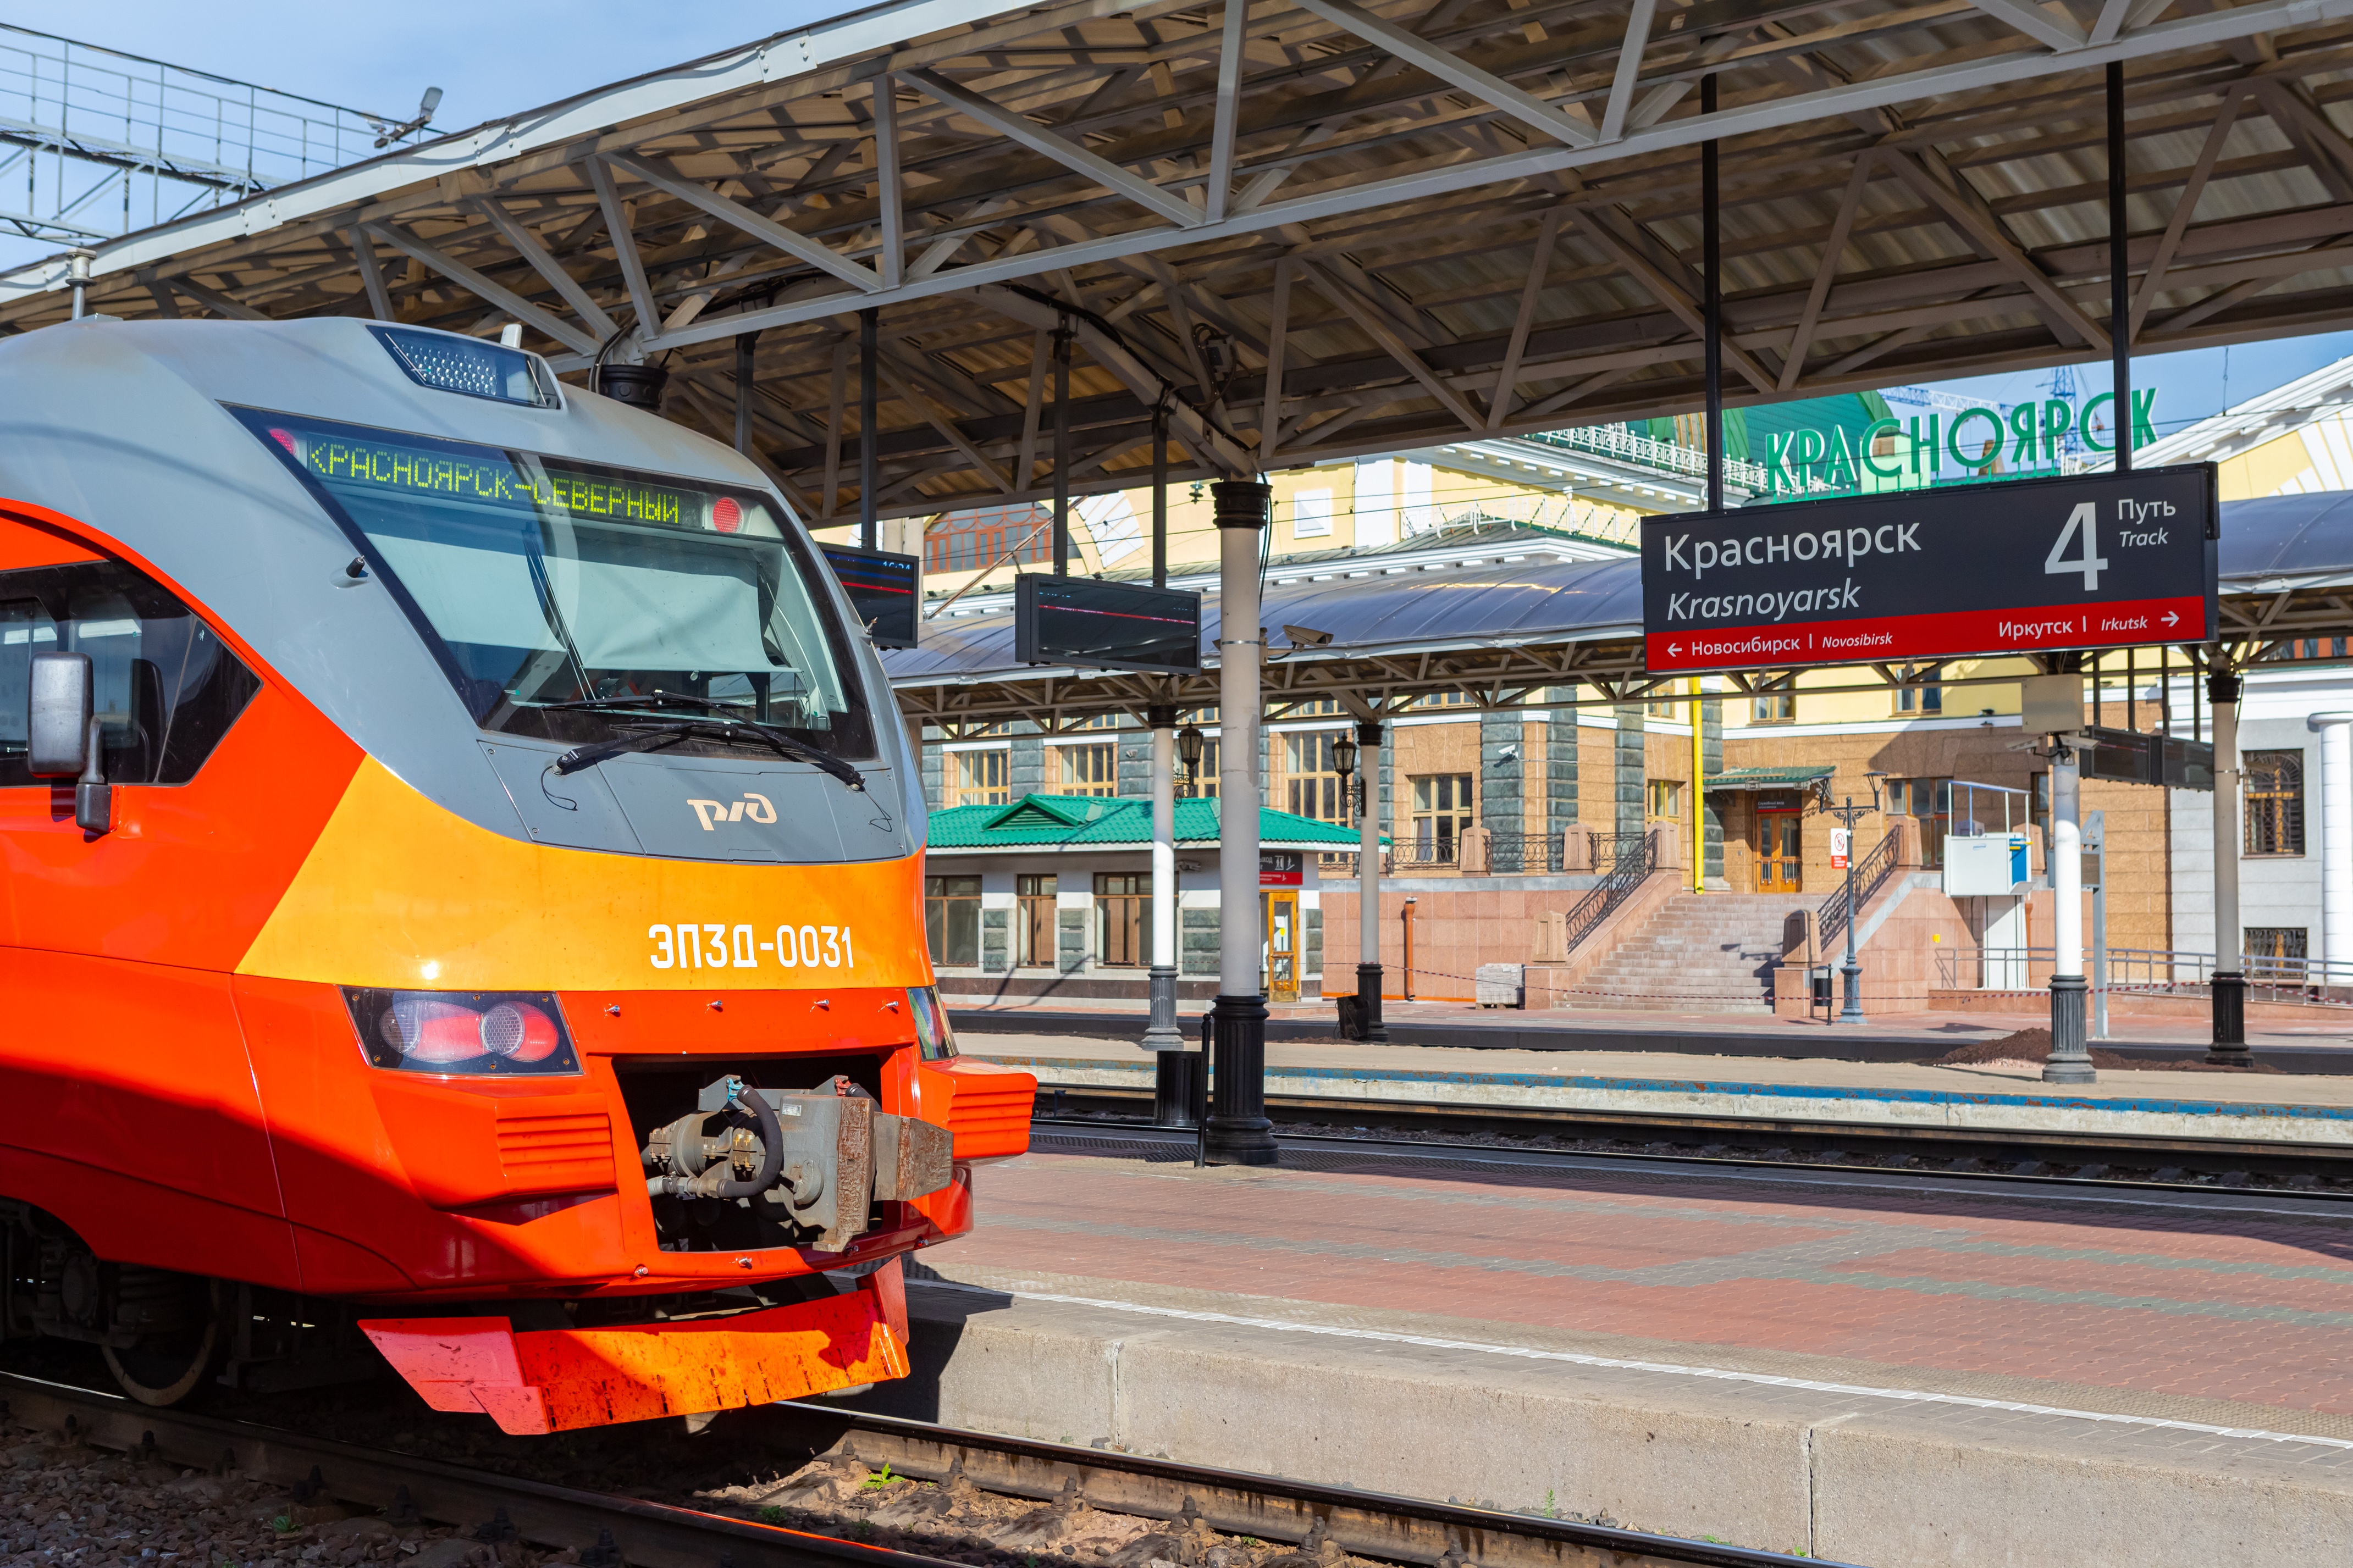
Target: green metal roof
{"x":1768,"y":778}
{"x":1073,"y":820}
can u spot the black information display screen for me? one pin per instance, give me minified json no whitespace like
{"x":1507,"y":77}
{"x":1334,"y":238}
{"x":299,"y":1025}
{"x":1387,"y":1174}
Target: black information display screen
{"x":883,"y":590}
{"x":2090,"y":561}
{"x":1105,"y":626}
{"x":2147,"y":757}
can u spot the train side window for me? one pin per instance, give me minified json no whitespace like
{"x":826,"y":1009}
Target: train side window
{"x":25,"y":630}
{"x":166,"y":690}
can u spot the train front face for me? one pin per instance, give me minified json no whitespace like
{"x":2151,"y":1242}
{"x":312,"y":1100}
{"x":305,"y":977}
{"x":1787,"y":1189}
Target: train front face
{"x":509,"y":888}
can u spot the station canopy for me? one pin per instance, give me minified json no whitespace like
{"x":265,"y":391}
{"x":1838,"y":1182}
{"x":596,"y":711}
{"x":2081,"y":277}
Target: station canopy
{"x":1308,"y":229}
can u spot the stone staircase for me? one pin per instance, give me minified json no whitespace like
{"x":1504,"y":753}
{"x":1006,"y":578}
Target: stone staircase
{"x":1700,"y":954}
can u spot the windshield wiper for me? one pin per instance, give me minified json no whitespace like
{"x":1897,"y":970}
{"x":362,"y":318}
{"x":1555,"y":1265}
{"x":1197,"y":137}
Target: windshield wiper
{"x":661,"y":733}
{"x":656,"y":698}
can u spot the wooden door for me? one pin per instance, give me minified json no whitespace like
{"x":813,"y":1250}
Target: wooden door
{"x":1780,"y":852}
{"x":1282,"y":947}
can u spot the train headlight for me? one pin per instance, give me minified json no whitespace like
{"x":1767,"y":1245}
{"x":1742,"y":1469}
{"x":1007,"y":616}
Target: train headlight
{"x":469,"y":1032}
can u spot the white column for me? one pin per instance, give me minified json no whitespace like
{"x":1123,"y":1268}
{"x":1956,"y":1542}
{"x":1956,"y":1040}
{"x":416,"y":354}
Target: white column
{"x":2335,"y":846}
{"x":1238,"y":702}
{"x":2066,"y":867}
{"x":1164,"y":848}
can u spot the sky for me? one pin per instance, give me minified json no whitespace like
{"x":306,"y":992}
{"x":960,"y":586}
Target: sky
{"x":491,"y":59}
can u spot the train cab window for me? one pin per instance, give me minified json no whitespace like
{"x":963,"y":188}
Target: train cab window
{"x":166,"y":690}
{"x":565,"y":600}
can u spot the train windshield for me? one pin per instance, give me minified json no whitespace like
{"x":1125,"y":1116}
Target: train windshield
{"x":543,"y":582}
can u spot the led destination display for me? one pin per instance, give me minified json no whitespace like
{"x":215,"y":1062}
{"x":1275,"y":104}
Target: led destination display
{"x":1092,"y":625}
{"x":2093,"y":561}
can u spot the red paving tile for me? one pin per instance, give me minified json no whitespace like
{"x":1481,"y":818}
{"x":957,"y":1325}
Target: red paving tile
{"x":2174,"y":1301}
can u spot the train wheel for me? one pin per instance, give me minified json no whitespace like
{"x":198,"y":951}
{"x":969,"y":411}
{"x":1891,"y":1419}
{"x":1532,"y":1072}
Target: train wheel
{"x":167,"y":1367}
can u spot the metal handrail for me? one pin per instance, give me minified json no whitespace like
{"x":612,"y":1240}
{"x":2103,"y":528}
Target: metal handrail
{"x":2152,"y":969}
{"x":1617,"y":441}
{"x":1627,"y":875}
{"x":1522,"y":852}
{"x":1871,"y":874}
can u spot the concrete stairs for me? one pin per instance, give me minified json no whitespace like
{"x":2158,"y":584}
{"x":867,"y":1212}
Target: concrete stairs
{"x":1707,"y":953}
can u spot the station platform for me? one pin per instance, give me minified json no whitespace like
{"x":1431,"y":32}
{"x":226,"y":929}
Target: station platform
{"x":1872,"y":1369}
{"x":2292,"y":1109}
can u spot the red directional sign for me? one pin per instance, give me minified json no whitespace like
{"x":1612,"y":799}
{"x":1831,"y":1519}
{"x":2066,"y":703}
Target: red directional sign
{"x":2095,"y":561}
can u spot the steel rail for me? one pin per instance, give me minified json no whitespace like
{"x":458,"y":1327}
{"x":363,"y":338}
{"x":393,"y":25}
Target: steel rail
{"x":2130,"y":1151}
{"x":655,"y":1535}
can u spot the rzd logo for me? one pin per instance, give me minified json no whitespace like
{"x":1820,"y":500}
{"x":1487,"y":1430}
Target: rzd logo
{"x":752,"y":808}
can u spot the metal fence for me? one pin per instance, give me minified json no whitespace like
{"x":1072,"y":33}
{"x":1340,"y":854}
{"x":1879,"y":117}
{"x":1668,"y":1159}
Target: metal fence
{"x":95,"y":142}
{"x":1871,"y":874}
{"x":1631,"y":863}
{"x":2136,"y":971}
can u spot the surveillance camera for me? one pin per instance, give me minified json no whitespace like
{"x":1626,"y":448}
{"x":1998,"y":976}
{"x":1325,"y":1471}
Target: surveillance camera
{"x":1306,"y":637}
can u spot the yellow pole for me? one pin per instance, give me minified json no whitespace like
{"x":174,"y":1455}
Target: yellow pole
{"x":1698,"y":784}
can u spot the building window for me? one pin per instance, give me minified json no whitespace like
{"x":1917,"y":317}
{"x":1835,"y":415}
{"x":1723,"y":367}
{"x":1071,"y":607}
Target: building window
{"x":1931,"y":802}
{"x":1205,"y":787}
{"x":1920,"y":699}
{"x":1033,"y":918}
{"x":1667,"y":799}
{"x":978,"y":778}
{"x":1123,"y":917}
{"x":1314,"y":782}
{"x":1311,"y":514}
{"x":952,"y":920}
{"x":1442,"y":810}
{"x":1086,"y":770}
{"x":974,"y":540}
{"x":1773,"y":708}
{"x":2316,"y":647}
{"x":2274,"y":803}
{"x":1443,"y":699}
{"x":2274,"y":943}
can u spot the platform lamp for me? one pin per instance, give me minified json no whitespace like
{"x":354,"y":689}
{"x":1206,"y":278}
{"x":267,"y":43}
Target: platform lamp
{"x":1850,"y":814}
{"x":1189,"y":752}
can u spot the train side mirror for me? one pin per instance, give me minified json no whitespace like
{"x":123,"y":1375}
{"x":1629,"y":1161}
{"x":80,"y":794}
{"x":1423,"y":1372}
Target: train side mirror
{"x":61,"y":735}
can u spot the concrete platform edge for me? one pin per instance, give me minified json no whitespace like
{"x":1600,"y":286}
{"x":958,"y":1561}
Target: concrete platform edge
{"x":1863,"y":1476}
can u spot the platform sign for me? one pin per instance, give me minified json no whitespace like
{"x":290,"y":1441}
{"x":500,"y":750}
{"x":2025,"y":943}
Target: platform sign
{"x":2145,"y":757}
{"x":1094,"y":625}
{"x":884,"y":591}
{"x":1279,"y":869}
{"x":2026,"y":566}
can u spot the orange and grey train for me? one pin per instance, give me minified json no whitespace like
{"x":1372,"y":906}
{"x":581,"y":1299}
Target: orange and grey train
{"x":460,"y":881}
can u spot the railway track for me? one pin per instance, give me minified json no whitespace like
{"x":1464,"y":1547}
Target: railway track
{"x":2186,"y":1163}
{"x":1193,"y":1516}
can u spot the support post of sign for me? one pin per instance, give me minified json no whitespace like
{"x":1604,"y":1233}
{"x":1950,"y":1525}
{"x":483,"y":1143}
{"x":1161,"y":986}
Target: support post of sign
{"x":1368,"y":883}
{"x":1848,"y":815}
{"x":1711,"y":263}
{"x":869,"y":440}
{"x":1239,"y":1133}
{"x":2095,"y":841}
{"x":744,"y":344}
{"x":2229,"y":983}
{"x":1698,"y":793}
{"x":2071,"y":1055}
{"x":1063,"y":448}
{"x":2119,"y":295}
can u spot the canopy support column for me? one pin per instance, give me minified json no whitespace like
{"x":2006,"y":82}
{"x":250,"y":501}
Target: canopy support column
{"x":1239,"y":1133}
{"x":1063,"y":448}
{"x":1711,"y":262}
{"x":869,"y":440}
{"x":2230,"y":986}
{"x":1368,"y":883}
{"x":2119,"y":296}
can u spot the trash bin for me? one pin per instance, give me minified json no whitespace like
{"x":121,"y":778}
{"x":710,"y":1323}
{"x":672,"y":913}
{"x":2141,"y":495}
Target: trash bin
{"x":1352,"y":1017}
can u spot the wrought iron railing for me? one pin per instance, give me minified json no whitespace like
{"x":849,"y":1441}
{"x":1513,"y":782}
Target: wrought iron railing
{"x":1870,"y":875}
{"x":2145,"y":972}
{"x":1626,"y":874}
{"x":1617,"y":441}
{"x":1523,"y":852}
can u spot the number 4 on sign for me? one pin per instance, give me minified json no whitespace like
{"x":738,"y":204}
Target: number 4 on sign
{"x":2091,"y":564}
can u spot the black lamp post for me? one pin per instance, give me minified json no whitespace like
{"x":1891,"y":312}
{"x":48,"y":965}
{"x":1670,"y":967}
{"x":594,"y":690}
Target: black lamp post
{"x":1189,"y":752}
{"x":1849,"y":813}
{"x":1344,"y":762}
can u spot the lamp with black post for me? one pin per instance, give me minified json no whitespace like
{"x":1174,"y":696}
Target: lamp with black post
{"x":1181,"y":1077}
{"x":1360,"y":1014}
{"x":1850,"y":814}
{"x":1189,"y":752}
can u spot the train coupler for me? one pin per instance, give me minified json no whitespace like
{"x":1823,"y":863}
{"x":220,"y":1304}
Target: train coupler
{"x":558,"y":1380}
